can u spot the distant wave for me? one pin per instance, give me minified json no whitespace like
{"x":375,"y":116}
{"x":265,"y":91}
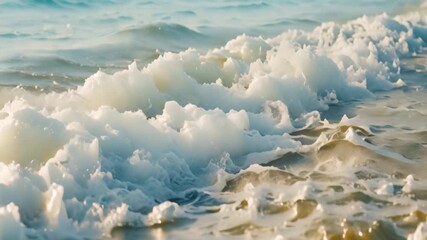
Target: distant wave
{"x":53,"y":3}
{"x":188,"y":12}
{"x":292,"y":22}
{"x":14,"y":35}
{"x":245,"y":6}
{"x":161,"y":30}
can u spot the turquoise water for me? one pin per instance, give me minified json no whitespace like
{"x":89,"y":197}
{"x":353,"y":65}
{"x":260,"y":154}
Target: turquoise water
{"x":219,"y":119}
{"x":67,"y":41}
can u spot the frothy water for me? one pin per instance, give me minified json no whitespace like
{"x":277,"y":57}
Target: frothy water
{"x":66,"y":41}
{"x":191,"y":129}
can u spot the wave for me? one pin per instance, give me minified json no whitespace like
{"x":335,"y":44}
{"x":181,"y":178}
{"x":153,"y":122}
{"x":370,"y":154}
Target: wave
{"x":164,"y":30}
{"x":83,"y":162}
{"x":55,"y":4}
{"x":245,"y":6}
{"x":292,"y":22}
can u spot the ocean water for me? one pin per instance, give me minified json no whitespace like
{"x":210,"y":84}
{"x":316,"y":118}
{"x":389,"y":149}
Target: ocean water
{"x":224,"y":119}
{"x":66,"y":41}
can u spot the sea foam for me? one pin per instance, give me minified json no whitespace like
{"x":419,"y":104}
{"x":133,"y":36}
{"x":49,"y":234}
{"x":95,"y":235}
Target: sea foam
{"x":116,"y":150}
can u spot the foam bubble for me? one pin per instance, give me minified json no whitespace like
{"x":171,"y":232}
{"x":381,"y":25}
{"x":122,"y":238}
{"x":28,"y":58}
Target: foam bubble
{"x":116,"y":150}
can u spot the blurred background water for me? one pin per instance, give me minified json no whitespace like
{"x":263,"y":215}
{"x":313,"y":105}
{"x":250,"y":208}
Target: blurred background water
{"x":56,"y":44}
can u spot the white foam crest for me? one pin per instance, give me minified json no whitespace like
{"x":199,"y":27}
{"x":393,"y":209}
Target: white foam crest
{"x":104,"y":154}
{"x":420,"y":233}
{"x":10,"y":225}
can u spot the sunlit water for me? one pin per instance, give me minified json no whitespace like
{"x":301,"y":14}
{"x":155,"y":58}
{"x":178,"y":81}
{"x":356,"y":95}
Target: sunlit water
{"x":213,"y":120}
{"x":65,"y":41}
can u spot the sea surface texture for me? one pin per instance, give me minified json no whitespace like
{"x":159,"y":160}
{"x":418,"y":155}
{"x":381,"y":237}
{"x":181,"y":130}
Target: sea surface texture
{"x":219,"y":119}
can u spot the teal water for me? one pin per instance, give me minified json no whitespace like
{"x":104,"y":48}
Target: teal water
{"x":57,"y":44}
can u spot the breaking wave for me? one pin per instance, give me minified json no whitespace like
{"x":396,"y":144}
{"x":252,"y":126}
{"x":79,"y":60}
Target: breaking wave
{"x":172,"y":141}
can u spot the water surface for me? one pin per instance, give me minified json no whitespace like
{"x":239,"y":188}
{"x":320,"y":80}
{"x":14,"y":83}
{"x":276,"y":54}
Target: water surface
{"x":217,"y":120}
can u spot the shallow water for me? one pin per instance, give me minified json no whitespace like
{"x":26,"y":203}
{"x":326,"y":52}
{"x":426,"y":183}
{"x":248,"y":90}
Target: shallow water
{"x":338,"y":190}
{"x":315,"y":129}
